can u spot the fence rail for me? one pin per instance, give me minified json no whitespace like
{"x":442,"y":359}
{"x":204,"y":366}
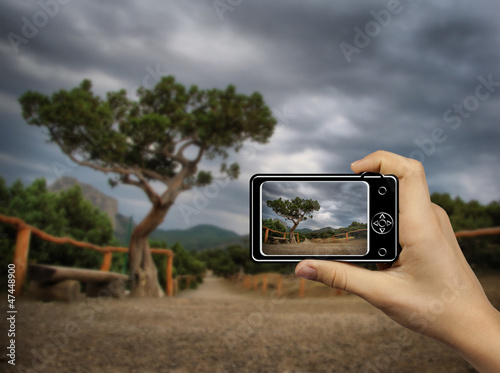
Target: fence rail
{"x":478,"y":232}
{"x":261,"y":283}
{"x":266,"y":235}
{"x":325,"y":240}
{"x":21,"y":251}
{"x":251,"y":282}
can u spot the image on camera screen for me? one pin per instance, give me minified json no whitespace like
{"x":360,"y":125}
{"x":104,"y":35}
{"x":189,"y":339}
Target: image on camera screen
{"x":314,"y":218}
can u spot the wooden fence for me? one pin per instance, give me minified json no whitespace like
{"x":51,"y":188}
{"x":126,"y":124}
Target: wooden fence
{"x":188,"y":279}
{"x":262,"y":282}
{"x":478,"y":232}
{"x":21,"y":252}
{"x":325,"y":240}
{"x":251,"y":282}
{"x":266,"y":235}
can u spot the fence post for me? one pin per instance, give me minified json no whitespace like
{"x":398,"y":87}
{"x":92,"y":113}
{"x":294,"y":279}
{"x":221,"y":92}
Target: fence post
{"x":346,"y":237}
{"x":333,"y":239}
{"x":106,"y":262}
{"x":21,"y":257}
{"x":169,"y":281}
{"x":266,"y":235}
{"x":264,"y":283}
{"x":255,"y":283}
{"x":280,"y":282}
{"x":302,"y":287}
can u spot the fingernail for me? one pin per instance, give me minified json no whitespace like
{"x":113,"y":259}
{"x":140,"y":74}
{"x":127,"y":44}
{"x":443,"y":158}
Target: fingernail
{"x":307,"y":272}
{"x":356,"y":162}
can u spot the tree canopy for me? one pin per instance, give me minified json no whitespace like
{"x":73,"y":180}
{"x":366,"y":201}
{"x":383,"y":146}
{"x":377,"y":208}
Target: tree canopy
{"x":147,"y":139}
{"x":296,"y":209}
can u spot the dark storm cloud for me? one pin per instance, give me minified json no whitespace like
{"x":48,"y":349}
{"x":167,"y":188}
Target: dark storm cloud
{"x":341,"y":203}
{"x":428,"y":58}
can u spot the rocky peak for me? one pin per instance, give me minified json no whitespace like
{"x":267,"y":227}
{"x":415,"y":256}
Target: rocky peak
{"x":103,"y":202}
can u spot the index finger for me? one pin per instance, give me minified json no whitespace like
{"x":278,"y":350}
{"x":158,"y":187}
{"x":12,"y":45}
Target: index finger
{"x":414,"y":199}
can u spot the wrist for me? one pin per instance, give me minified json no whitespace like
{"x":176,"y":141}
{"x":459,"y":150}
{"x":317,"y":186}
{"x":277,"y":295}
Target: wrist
{"x":475,"y":335}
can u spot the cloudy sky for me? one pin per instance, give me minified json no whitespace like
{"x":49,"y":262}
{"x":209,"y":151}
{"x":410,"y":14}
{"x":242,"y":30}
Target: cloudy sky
{"x":342,"y":78}
{"x":341,"y":203}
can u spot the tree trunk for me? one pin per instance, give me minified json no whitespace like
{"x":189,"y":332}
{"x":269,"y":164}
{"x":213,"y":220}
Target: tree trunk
{"x":292,"y":236}
{"x":143,"y":273}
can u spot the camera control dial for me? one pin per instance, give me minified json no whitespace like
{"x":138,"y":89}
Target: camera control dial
{"x":382,"y":223}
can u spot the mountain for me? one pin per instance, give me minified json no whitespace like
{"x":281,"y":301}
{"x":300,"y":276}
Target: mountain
{"x":304,"y":230}
{"x":324,"y":229}
{"x":197,"y":238}
{"x":200,"y":237}
{"x":283,"y":223}
{"x":102,"y":201}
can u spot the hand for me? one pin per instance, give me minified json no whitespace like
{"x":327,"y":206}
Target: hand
{"x":430,"y":288}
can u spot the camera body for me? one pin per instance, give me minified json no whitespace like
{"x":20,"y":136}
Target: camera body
{"x":346,"y":217}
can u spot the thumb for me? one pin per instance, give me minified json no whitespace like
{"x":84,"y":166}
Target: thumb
{"x":344,"y":276}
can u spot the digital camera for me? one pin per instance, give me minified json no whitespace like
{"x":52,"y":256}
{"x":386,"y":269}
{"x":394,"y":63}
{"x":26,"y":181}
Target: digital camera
{"x":345,"y":217}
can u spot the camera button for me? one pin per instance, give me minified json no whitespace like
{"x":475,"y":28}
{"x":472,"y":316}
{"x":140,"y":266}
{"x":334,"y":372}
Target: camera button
{"x":382,"y":251}
{"x":382,"y":190}
{"x":382,"y":223}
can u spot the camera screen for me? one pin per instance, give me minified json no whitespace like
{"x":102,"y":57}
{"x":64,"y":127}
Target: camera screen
{"x":314,"y":218}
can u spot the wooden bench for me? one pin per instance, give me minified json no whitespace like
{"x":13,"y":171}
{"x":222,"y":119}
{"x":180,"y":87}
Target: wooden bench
{"x":49,"y":283}
{"x":277,"y":240}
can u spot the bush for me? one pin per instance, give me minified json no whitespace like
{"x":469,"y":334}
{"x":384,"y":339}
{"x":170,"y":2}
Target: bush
{"x":58,"y":214}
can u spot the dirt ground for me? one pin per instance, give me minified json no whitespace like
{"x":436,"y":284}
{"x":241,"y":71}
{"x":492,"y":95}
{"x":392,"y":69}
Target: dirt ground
{"x":223,"y":327}
{"x":352,"y":247}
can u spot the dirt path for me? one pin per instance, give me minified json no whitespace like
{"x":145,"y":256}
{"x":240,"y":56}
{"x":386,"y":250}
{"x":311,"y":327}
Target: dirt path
{"x":221,"y":328}
{"x":213,"y":288}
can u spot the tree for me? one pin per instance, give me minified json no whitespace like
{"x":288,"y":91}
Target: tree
{"x":296,"y":210}
{"x":161,"y":137}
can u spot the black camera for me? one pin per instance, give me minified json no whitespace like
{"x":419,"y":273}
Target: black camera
{"x":347,"y":217}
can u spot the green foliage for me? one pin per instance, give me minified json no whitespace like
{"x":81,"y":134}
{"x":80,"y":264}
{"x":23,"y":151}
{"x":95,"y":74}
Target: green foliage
{"x":234,"y":258}
{"x":275,"y":226}
{"x":482,"y":251}
{"x":152,"y":132}
{"x":219,"y":261}
{"x":62,"y":214}
{"x":329,"y":232}
{"x":199,"y":237}
{"x":296,"y":209}
{"x":185,"y":263}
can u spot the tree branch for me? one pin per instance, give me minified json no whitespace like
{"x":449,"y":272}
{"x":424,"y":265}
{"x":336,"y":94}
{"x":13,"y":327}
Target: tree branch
{"x":153,"y":174}
{"x":153,"y":197}
{"x":201,"y":150}
{"x":115,"y":169}
{"x":183,"y":147}
{"x":182,"y":160}
{"x":143,"y":184}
